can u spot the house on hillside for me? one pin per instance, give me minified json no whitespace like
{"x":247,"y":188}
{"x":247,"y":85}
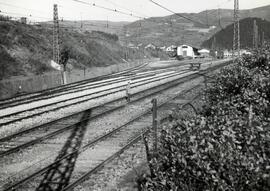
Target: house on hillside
{"x":23,"y":20}
{"x":171,"y":48}
{"x":187,"y":51}
{"x":163,"y":48}
{"x":150,"y":46}
{"x":204,"y":53}
{"x":132,"y":46}
{"x":227,"y":53}
{"x":246,"y":52}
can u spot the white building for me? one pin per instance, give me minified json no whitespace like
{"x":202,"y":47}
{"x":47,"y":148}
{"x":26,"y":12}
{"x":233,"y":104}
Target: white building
{"x":204,"y":52}
{"x":185,"y":51}
{"x":150,"y":46}
{"x":227,"y":53}
{"x":171,"y":48}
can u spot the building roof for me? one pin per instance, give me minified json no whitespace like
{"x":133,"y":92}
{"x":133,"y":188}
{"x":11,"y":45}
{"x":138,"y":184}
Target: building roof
{"x":204,"y":51}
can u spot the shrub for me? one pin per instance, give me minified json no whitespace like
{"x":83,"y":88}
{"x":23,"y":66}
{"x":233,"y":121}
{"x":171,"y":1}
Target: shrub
{"x":226,"y":147}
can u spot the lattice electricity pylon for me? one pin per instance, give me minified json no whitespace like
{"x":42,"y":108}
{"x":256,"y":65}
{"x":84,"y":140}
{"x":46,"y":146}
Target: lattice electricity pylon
{"x":58,"y":176}
{"x":236,"y":31}
{"x":56,"y":47}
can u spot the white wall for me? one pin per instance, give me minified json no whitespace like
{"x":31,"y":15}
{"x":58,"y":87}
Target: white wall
{"x":185,"y":50}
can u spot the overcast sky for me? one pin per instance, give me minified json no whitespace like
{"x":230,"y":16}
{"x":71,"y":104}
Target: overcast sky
{"x":72,"y":10}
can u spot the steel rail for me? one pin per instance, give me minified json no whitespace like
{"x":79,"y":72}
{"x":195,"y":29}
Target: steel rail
{"x":62,"y":87}
{"x":78,"y":102}
{"x":91,"y":143}
{"x":50,"y":135}
{"x":73,"y":90}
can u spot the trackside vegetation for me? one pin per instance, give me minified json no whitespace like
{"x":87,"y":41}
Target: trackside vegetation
{"x":227,"y":145}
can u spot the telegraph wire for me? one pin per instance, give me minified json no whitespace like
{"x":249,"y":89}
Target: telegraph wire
{"x":109,"y":9}
{"x":219,"y":5}
{"x":25,"y":15}
{"x":62,"y":21}
{"x":179,"y":15}
{"x":19,"y":7}
{"x":115,"y":4}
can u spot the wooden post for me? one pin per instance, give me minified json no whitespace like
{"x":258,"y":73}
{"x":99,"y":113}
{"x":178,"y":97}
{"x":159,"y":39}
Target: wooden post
{"x":154,"y":112}
{"x":64,"y":75}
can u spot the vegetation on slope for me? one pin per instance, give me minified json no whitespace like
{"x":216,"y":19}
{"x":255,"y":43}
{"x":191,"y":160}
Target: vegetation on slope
{"x":224,"y":38}
{"x":227,"y":146}
{"x":27,"y":49}
{"x":168,"y":30}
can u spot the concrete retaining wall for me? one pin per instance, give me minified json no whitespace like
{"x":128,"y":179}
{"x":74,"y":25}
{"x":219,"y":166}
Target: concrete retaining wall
{"x":11,"y":87}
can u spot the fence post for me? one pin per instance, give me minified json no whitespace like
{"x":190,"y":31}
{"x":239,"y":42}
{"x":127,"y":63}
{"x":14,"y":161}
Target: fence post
{"x":154,"y":112}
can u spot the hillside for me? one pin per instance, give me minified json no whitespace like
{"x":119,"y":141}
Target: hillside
{"x":92,"y":25}
{"x":224,"y":38}
{"x":27,"y":49}
{"x":165,"y":31}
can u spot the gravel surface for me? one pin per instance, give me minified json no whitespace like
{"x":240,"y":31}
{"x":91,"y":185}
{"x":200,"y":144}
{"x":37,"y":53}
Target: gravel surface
{"x":19,"y":165}
{"x":122,"y":173}
{"x":23,"y":160}
{"x":46,"y":117}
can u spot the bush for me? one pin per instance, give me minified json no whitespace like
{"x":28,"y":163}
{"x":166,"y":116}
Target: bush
{"x":226,"y":147}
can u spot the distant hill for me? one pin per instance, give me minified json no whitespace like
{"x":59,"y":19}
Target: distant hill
{"x":224,"y":38}
{"x":168,"y":30}
{"x":27,"y":49}
{"x":92,"y":25}
{"x":226,"y":15}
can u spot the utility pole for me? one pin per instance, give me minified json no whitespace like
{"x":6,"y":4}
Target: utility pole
{"x":255,"y":35}
{"x":219,"y":18}
{"x":236,"y":31}
{"x":56,"y":48}
{"x":154,"y":116}
{"x":213,"y":46}
{"x":81,"y":21}
{"x":171,"y":26}
{"x":206,"y":15}
{"x":263,"y":39}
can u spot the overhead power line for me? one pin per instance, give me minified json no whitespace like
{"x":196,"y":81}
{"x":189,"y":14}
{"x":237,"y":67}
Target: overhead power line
{"x":115,"y":4}
{"x":25,"y":15}
{"x":109,"y":9}
{"x":179,"y":15}
{"x":19,"y":7}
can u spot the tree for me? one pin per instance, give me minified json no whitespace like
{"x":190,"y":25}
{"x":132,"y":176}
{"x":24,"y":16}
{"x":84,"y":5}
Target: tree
{"x":64,"y":56}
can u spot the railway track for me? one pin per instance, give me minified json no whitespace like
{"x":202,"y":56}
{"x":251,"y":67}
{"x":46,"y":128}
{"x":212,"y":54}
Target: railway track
{"x":62,"y":88}
{"x":29,"y":121}
{"x":14,"y":186}
{"x":20,"y":140}
{"x":95,"y":154}
{"x":79,"y":88}
{"x":9,"y":110}
{"x":94,"y":90}
{"x":83,"y":85}
{"x":86,"y":166}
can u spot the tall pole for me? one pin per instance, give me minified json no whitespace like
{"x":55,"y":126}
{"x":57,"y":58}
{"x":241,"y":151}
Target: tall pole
{"x":236,"y":31}
{"x":219,"y":18}
{"x":255,"y":35}
{"x":56,"y":49}
{"x":154,"y":115}
{"x":81,"y":21}
{"x":263,"y":38}
{"x":206,"y":15}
